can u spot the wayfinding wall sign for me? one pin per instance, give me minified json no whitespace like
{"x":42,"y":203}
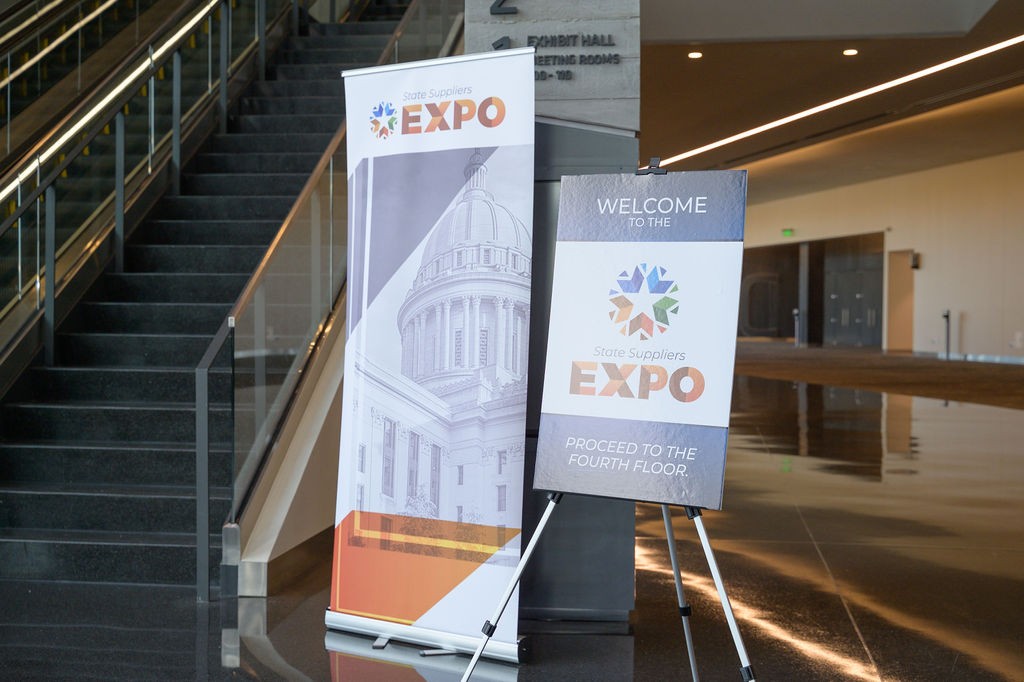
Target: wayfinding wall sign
{"x":587,"y":61}
{"x":638,"y":379}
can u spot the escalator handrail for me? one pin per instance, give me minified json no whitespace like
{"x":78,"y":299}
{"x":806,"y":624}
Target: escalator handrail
{"x":29,"y":26}
{"x":57,"y":42}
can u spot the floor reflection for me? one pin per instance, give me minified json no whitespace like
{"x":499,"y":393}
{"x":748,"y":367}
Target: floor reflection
{"x":863,"y":537}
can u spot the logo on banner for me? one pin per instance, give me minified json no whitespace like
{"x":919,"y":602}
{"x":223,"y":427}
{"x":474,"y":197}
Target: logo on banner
{"x":383,"y":120}
{"x":642,"y":302}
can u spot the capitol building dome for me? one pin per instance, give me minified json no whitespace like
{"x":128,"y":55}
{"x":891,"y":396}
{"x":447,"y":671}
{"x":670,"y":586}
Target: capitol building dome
{"x":465,"y":319}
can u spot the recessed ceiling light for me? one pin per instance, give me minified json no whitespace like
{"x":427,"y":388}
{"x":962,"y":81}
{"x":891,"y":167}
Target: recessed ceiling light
{"x":695,"y":55}
{"x":850,"y":52}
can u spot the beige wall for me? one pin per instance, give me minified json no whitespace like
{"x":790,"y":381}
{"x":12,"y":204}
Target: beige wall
{"x":967,"y":223}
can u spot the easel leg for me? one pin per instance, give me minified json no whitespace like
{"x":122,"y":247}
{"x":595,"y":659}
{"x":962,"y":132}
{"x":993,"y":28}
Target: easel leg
{"x":491,"y":625}
{"x":746,"y":670}
{"x":684,"y":608}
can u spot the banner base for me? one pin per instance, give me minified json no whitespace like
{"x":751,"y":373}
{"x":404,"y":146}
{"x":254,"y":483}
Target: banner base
{"x":501,"y":651}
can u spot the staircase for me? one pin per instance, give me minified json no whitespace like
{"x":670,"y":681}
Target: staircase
{"x":97,"y":454}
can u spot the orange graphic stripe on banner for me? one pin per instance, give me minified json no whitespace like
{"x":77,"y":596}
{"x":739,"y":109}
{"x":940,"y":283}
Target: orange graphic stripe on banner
{"x":397,"y":568}
{"x":447,"y":543}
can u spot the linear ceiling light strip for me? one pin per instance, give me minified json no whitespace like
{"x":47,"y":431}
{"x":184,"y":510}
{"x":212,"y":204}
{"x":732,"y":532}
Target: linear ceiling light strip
{"x":847,"y":99}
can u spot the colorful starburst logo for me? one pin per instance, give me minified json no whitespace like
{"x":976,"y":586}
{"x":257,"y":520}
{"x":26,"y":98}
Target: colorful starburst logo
{"x":383,"y":120}
{"x":643,"y":301}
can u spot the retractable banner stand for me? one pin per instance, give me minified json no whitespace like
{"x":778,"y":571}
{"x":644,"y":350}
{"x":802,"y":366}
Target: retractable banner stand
{"x":642,"y":342}
{"x":440,"y":172}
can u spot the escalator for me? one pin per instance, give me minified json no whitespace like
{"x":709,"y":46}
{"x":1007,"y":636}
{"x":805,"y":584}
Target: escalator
{"x":52,"y":53}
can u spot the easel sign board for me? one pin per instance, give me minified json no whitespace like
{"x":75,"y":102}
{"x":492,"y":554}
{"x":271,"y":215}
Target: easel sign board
{"x":642,"y":341}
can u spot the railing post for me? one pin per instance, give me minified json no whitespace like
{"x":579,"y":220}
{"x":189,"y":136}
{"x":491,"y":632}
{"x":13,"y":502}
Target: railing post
{"x":7,"y":125}
{"x":261,"y":38}
{"x":202,"y":484}
{"x":152,"y":113}
{"x":259,"y":360}
{"x":295,"y":17}
{"x":222,"y":104}
{"x":119,"y":152}
{"x":176,"y":125}
{"x":317,"y":309}
{"x":50,"y":302}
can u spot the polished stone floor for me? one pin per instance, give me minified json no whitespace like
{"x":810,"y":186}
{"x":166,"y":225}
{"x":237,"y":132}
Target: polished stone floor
{"x":864,"y":536}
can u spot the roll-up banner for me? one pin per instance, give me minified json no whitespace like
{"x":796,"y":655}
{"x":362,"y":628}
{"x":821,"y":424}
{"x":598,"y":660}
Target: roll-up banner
{"x":642,"y":342}
{"x":430,"y":489}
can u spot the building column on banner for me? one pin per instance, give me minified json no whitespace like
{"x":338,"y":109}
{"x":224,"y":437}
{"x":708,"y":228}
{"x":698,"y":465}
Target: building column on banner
{"x":446,"y":336}
{"x":464,"y":362}
{"x":437,"y":337}
{"x":417,"y":364}
{"x":499,"y":308}
{"x":511,"y":348}
{"x":474,"y":360}
{"x":519,"y":360}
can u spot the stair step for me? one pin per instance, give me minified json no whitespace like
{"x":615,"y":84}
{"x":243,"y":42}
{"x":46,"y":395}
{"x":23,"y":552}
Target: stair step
{"x":122,"y":509}
{"x":101,"y":556}
{"x":211,"y":232}
{"x":313,"y":72}
{"x":301,"y":162}
{"x":119,"y":384}
{"x":338,"y":54}
{"x":289,"y":123}
{"x":244,"y":184}
{"x":332,"y":105}
{"x":318,"y":41}
{"x":147,"y":318}
{"x":191,"y":258}
{"x":109,"y":463}
{"x":159,"y":287}
{"x":221,"y":207}
{"x":82,"y":423}
{"x":382,"y":27}
{"x":131,"y":349}
{"x":330,"y":87}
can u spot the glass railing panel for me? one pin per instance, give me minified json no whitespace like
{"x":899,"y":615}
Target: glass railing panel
{"x":20,"y":251}
{"x":163,"y":101}
{"x":275,"y":330}
{"x":280,"y":316}
{"x":84,"y":188}
{"x":243,"y":27}
{"x":10,"y":257}
{"x":197,"y":70}
{"x":424,"y":30}
{"x":136,"y":132}
{"x":338,"y":223}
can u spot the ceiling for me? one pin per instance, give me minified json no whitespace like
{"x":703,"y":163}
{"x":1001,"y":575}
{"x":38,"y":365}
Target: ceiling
{"x":759,"y":66}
